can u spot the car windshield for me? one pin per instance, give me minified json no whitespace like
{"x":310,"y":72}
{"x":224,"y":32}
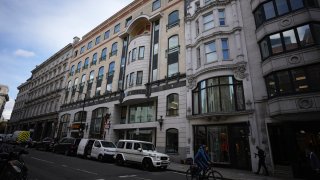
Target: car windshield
{"x":148,"y":146}
{"x":108,"y":144}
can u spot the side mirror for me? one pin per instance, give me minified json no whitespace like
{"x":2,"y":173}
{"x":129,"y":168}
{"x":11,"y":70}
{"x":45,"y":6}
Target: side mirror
{"x":139,"y":149}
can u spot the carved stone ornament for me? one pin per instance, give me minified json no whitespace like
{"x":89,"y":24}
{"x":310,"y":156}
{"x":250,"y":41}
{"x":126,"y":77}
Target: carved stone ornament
{"x":286,"y":22}
{"x":239,"y":70}
{"x":294,"y":60}
{"x":305,"y":103}
{"x":191,"y":81}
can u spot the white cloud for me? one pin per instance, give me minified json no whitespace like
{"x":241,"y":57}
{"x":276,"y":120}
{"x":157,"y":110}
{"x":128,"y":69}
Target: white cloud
{"x":24,"y":53}
{"x":8,"y":109}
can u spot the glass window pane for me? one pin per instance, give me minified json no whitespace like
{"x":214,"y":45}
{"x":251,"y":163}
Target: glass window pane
{"x":296,"y":4}
{"x":305,"y":35}
{"x":173,"y":17}
{"x":282,"y":6}
{"x":269,"y":10}
{"x":210,"y":50}
{"x":240,"y":97}
{"x":271,"y":85}
{"x":218,"y":144}
{"x":284,"y":82}
{"x":173,"y":42}
{"x":264,"y":47}
{"x":214,"y":99}
{"x":258,"y":16}
{"x":208,"y":22}
{"x":227,"y":98}
{"x":172,"y":69}
{"x":172,"y":141}
{"x":299,"y":80}
{"x":316,"y":28}
{"x":290,"y":39}
{"x":276,"y":44}
{"x":203,"y":101}
{"x":195,"y":103}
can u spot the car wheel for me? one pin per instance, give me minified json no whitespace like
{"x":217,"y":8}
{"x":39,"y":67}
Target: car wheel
{"x":100,"y":158}
{"x":147,"y":165}
{"x":119,"y":160}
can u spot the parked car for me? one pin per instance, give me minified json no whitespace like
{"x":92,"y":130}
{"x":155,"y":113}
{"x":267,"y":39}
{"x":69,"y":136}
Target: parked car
{"x":84,"y":148}
{"x":66,"y":145}
{"x":2,"y":137}
{"x":45,"y":144}
{"x":141,"y":152}
{"x":7,"y":138}
{"x":103,"y":150}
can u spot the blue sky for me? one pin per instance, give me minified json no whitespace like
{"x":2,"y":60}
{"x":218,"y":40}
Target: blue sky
{"x":33,"y":30}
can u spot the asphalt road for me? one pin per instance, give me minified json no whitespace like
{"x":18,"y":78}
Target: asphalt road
{"x":49,"y":166}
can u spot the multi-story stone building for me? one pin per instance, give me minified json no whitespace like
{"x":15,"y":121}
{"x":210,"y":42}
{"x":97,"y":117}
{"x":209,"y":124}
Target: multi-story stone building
{"x":284,"y":59}
{"x":39,"y":99}
{"x":132,"y":68}
{"x":3,"y":97}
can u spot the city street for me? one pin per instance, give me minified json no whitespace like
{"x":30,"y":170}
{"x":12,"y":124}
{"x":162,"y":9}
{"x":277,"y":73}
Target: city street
{"x":49,"y":166}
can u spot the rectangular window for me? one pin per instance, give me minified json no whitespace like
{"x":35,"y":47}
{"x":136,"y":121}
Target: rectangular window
{"x":211,"y":53}
{"x":98,"y":40}
{"x":139,"y":77}
{"x":134,"y":53}
{"x":290,"y":39}
{"x":269,"y":10}
{"x":89,"y":45}
{"x":222,"y":17}
{"x":198,"y":57}
{"x":284,"y":82}
{"x":271,"y":85}
{"x":142,"y":113}
{"x":225,"y":48}
{"x":156,"y":5}
{"x":276,"y":44}
{"x":128,"y":21}
{"x":131,"y":79}
{"x":296,"y":4}
{"x":82,"y":50}
{"x":305,"y":35}
{"x":107,"y":34}
{"x":264,"y":47}
{"x":208,"y":22}
{"x":299,"y":80}
{"x":127,"y":82}
{"x":129,"y":56}
{"x":259,"y":16}
{"x":117,"y":28}
{"x":314,"y":76}
{"x":197,"y":27}
{"x":282,"y":6}
{"x":141,"y":52}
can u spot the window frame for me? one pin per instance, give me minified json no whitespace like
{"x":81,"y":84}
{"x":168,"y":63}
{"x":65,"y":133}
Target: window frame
{"x":116,"y":28}
{"x":154,"y":3}
{"x":170,"y":112}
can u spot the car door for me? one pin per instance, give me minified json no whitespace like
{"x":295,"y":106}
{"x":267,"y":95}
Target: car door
{"x":95,"y":149}
{"x":128,"y":150}
{"x":136,"y":154}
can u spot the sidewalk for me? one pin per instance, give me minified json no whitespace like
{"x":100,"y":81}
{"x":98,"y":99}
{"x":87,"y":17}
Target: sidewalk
{"x":233,"y":174}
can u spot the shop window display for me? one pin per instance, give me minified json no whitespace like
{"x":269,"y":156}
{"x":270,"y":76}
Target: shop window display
{"x":218,"y":144}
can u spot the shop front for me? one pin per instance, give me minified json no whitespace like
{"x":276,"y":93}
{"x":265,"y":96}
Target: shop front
{"x":228,"y":144}
{"x":291,"y":142}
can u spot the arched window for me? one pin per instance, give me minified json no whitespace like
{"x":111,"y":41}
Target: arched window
{"x":173,"y":55}
{"x":94,"y":59}
{"x":72,"y":70}
{"x":110,"y":76}
{"x":63,"y":125}
{"x":114,"y":49}
{"x":173,"y":105}
{"x":91,"y":77}
{"x":100,"y":73}
{"x":69,"y":85}
{"x":80,"y":115}
{"x":103,"y":54}
{"x":218,"y":94}
{"x":86,"y":63}
{"x":79,"y":67}
{"x":83,"y":79}
{"x":172,"y":141}
{"x":99,"y":80}
{"x":97,"y":122}
{"x":75,"y":82}
{"x":173,"y":19}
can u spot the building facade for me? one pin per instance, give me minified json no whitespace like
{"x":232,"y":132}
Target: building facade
{"x":39,"y":99}
{"x":286,"y":33}
{"x":3,"y":97}
{"x":127,"y":79}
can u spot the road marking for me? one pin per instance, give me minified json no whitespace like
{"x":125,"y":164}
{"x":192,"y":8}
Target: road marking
{"x":179,"y":173}
{"x":63,"y":165}
{"x":86,"y":171}
{"x":127,"y":176}
{"x":42,"y":160}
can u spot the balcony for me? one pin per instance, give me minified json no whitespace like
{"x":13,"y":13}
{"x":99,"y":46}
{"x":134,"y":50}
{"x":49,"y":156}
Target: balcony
{"x":173,"y":24}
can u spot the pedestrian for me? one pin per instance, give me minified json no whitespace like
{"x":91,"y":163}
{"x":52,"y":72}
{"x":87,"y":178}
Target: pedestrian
{"x":314,"y":163}
{"x":202,"y":160}
{"x":262,"y":160}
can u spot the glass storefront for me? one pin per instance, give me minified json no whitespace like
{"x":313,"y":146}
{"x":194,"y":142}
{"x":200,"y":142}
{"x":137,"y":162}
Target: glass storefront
{"x":138,"y":134}
{"x":228,"y":144}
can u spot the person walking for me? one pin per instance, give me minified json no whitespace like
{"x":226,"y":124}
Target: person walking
{"x":202,"y":160}
{"x":262,"y":159}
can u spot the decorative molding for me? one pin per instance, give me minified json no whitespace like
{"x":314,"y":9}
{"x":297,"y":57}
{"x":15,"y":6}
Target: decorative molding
{"x":305,"y":103}
{"x":294,"y":59}
{"x":287,"y":21}
{"x":239,"y":70}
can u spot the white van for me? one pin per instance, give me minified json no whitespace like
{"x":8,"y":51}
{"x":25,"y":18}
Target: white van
{"x":103,"y":150}
{"x":84,"y":148}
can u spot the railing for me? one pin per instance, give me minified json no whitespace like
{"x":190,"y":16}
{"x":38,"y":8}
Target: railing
{"x":85,"y":67}
{"x":172,"y":24}
{"x":112,"y":53}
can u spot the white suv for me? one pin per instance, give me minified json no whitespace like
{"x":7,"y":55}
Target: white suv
{"x":141,"y":152}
